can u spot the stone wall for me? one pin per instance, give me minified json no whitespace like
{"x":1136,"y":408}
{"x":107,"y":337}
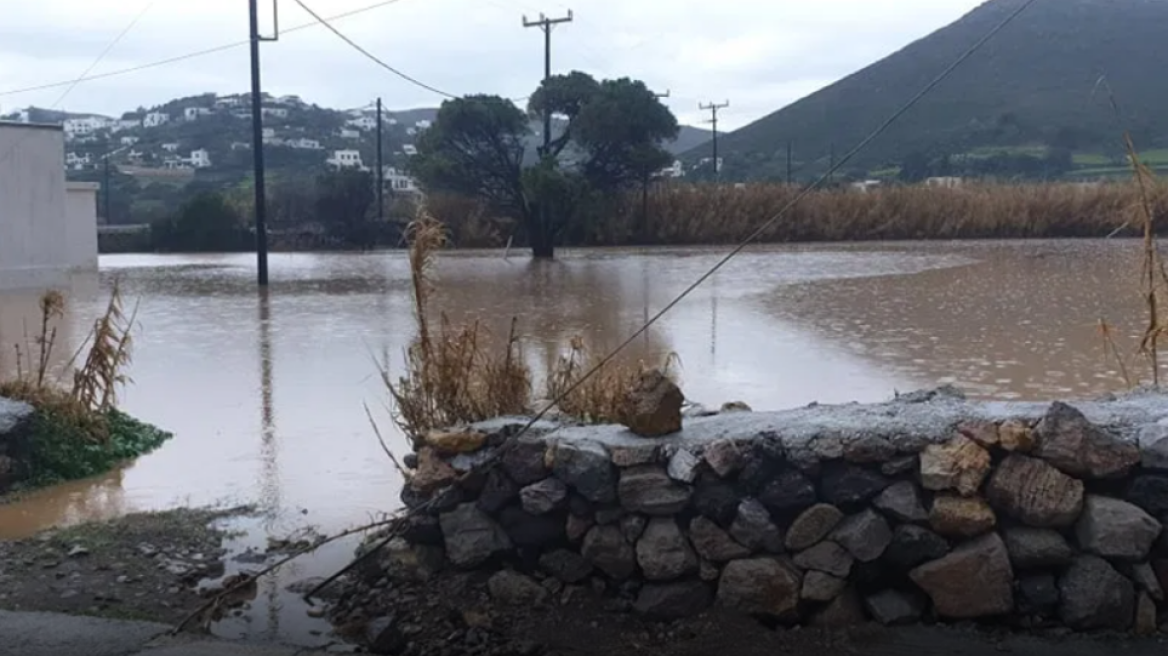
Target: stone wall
{"x":928,"y":507}
{"x":15,"y":417}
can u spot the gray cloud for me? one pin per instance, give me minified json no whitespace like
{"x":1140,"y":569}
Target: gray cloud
{"x":759,"y":54}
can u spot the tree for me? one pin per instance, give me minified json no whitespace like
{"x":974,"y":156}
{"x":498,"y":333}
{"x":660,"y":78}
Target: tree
{"x":206,"y":222}
{"x":609,"y":140}
{"x":344,"y":198}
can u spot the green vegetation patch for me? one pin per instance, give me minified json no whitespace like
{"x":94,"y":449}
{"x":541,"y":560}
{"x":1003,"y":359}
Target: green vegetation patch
{"x":62,"y":449}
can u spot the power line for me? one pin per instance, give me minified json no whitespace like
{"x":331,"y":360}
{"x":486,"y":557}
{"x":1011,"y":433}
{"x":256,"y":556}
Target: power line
{"x":370,"y":55}
{"x":190,"y":55}
{"x":780,"y":214}
{"x":97,"y":60}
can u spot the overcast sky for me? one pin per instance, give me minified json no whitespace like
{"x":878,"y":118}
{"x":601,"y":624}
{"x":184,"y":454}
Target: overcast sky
{"x":758,"y":54}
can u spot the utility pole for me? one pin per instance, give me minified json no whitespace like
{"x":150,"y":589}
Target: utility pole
{"x":380,"y":170}
{"x":546,"y":24}
{"x":257,"y":143}
{"x":713,"y":109}
{"x":543,"y":246}
{"x":105,"y":187}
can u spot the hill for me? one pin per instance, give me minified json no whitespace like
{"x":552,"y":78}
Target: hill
{"x":1034,"y":87}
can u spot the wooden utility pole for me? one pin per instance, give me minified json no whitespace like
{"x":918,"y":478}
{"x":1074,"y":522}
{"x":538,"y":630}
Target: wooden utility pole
{"x":380,"y":170}
{"x":257,"y":143}
{"x":713,"y":109}
{"x":542,"y":245}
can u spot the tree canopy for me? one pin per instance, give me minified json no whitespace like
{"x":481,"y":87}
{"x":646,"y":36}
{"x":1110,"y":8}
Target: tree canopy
{"x":610,"y":138}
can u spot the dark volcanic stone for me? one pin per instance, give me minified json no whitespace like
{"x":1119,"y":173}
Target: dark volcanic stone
{"x":649,"y":489}
{"x":384,"y":636}
{"x":422,"y":529}
{"x":765,"y":461}
{"x":753,"y":528}
{"x":849,"y":485}
{"x":1095,"y":596}
{"x":788,"y":493}
{"x":1069,"y":441}
{"x":716,"y":500}
{"x":567,"y":566}
{"x":586,"y":467}
{"x":1149,"y":493}
{"x":528,"y":530}
{"x":1037,"y":547}
{"x":672,"y":601}
{"x":1037,"y":593}
{"x":498,"y":491}
{"x":524,"y":461}
{"x":913,"y":545}
{"x":891,"y":607}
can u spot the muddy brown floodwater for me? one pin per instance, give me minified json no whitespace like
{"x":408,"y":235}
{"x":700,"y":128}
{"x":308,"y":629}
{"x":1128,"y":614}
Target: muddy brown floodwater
{"x":265,"y":392}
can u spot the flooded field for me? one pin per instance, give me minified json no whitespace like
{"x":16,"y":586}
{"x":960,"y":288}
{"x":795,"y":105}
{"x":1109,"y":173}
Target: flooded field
{"x":264,"y":391}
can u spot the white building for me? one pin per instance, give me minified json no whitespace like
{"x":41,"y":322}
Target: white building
{"x":240,"y":145}
{"x":864,"y":186}
{"x":155,"y":119}
{"x":126,"y":124}
{"x":410,"y":149}
{"x":304,"y":143}
{"x":85,"y":125}
{"x":946,"y":182}
{"x":224,"y":102}
{"x":77,"y":162}
{"x":347,"y":133}
{"x":170,"y":147}
{"x":193,"y":113}
{"x":423,"y":124}
{"x":345,"y":159}
{"x":129,"y":140}
{"x":278,"y":112}
{"x":47,"y":226}
{"x":199,"y":159}
{"x":400,"y":182}
{"x":674,"y":170}
{"x":363,"y":123}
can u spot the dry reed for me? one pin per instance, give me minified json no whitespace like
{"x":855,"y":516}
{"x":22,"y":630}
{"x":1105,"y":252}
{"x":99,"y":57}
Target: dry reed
{"x":452,"y":375}
{"x":93,"y":389}
{"x":599,"y":398}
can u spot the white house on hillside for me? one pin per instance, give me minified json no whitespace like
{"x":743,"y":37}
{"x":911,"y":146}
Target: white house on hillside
{"x":674,"y":170}
{"x":347,"y":133}
{"x":400,"y":182}
{"x":193,"y":113}
{"x":345,"y":159}
{"x":278,"y":112}
{"x":304,"y":143}
{"x":200,"y":159}
{"x":363,"y":123}
{"x":410,"y":149}
{"x":155,"y":119}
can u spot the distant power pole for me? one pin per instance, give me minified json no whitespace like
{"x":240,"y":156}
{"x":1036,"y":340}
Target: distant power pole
{"x":380,"y":170}
{"x":713,"y":108}
{"x":546,"y":24}
{"x":257,"y":144}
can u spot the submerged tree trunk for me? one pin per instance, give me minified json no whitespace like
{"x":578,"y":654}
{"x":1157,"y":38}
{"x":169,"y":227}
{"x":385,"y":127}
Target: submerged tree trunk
{"x":541,"y":235}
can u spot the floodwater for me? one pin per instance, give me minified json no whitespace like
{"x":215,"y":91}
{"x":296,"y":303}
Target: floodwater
{"x":266,"y":392}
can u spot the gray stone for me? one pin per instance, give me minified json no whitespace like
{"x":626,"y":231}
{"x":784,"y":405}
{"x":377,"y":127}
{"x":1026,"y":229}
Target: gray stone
{"x":826,"y":556}
{"x":714,"y":544}
{"x":912,"y":545}
{"x":528,"y":530}
{"x":790,"y":491}
{"x":1153,"y":442}
{"x":1037,"y":593}
{"x":1115,"y":529}
{"x":605,"y":547}
{"x":843,"y":611}
{"x":973,"y":580}
{"x":959,"y":464}
{"x":761,"y":586}
{"x":684,"y":466}
{"x":1067,"y":440}
{"x":649,"y":490}
{"x":633,"y":455}
{"x":586,"y":467}
{"x":524,"y":461}
{"x":725,"y":457}
{"x":1145,"y":624}
{"x":673,"y":601}
{"x":1146,"y":580}
{"x":1149,"y":493}
{"x":1034,"y":548}
{"x":471,"y":536}
{"x":848,"y":485}
{"x":1095,"y":596}
{"x":821,"y":586}
{"x":653,"y":407}
{"x":577,"y":527}
{"x":865,"y":535}
{"x":869,"y":449}
{"x":543,"y":497}
{"x":663,"y":552}
{"x":514,"y":589}
{"x":899,"y":465}
{"x":812,"y":526}
{"x":606,"y":516}
{"x":1033,"y":491}
{"x":984,"y":432}
{"x":753,"y":528}
{"x":708,"y":571}
{"x":632,"y":526}
{"x":498,"y":491}
{"x":384,"y":636}
{"x":891,"y":607}
{"x":12,"y":414}
{"x":902,"y":501}
{"x":716,"y":499}
{"x":567,"y":566}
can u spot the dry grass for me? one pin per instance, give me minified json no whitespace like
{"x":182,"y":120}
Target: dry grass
{"x":453,"y":374}
{"x":92,"y":388}
{"x":599,"y":398}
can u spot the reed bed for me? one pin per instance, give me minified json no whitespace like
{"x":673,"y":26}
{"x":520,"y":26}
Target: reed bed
{"x":693,"y":214}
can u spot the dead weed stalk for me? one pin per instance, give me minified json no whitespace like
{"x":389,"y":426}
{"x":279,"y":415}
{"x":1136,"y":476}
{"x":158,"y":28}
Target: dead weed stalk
{"x":599,"y":398}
